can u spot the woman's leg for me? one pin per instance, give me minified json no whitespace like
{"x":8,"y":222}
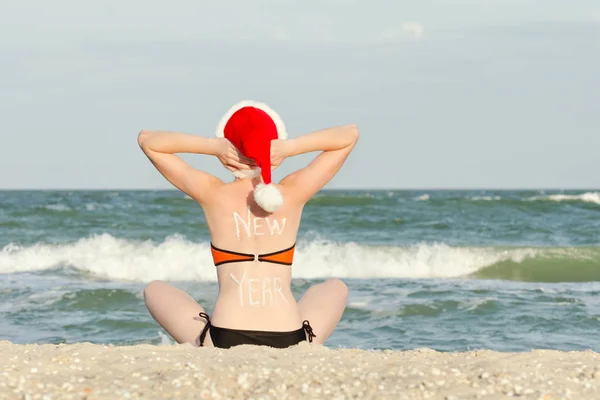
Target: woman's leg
{"x":176,"y":311}
{"x":323,"y":305}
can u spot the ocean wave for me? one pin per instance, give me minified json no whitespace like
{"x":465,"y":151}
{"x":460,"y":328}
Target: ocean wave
{"x":485,"y":198}
{"x":549,"y":265}
{"x":62,"y":209}
{"x":346,"y":199}
{"x":177,"y":258}
{"x":57,"y":207}
{"x":588,"y":197}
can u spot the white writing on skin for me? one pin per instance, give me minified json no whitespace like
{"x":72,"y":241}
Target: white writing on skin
{"x":259,"y":292}
{"x":257,"y":226}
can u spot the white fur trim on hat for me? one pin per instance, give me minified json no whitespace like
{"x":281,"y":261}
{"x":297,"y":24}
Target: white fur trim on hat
{"x":281,"y":132}
{"x":247,"y":174}
{"x":268,"y":197}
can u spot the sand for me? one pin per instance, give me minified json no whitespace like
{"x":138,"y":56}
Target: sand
{"x":88,"y":371}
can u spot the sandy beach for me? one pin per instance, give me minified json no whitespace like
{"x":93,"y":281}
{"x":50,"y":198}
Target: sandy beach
{"x":88,"y":371}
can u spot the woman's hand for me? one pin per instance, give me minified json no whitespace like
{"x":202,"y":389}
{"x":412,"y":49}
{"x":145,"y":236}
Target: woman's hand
{"x":231,"y":157}
{"x":280,"y":150}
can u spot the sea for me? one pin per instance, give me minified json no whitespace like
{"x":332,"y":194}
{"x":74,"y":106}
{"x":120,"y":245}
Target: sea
{"x":443,"y":269}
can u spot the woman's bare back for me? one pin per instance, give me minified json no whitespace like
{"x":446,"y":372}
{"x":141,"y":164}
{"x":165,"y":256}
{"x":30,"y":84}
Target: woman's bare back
{"x":253,"y":295}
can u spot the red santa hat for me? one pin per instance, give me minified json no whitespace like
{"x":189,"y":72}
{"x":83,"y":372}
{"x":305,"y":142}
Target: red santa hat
{"x":250,"y":126}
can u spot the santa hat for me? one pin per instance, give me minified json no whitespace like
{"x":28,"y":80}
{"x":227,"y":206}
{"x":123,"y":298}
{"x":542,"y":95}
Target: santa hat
{"x":250,"y":126}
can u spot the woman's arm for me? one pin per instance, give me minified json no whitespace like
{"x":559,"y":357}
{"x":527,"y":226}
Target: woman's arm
{"x":176,"y":142}
{"x":335,"y":145}
{"x":161,"y":148}
{"x":323,"y":140}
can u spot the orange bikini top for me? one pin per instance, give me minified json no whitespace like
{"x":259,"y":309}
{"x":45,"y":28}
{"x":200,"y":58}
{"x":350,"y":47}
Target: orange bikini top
{"x":284,"y":257}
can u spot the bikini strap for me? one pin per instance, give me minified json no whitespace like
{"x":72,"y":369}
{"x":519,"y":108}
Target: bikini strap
{"x":309,"y":331}
{"x":206,"y":327}
{"x":283,"y":257}
{"x":222,"y":256}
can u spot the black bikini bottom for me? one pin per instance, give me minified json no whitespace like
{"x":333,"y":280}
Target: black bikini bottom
{"x":225,"y":338}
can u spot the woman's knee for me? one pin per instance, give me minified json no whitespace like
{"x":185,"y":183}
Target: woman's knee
{"x":152,"y":288}
{"x":340,"y":288}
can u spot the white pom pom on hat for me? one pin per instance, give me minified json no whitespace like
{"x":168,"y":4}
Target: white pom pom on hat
{"x":250,"y":126}
{"x":268,"y":197}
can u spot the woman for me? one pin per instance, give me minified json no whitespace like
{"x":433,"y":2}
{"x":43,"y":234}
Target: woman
{"x":253,"y":225}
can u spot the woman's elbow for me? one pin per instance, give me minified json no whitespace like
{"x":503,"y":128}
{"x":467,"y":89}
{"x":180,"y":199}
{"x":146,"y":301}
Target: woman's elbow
{"x":142,"y":137}
{"x":353,"y":132}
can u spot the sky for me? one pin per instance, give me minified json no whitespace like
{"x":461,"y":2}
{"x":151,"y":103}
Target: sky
{"x":446,"y":93}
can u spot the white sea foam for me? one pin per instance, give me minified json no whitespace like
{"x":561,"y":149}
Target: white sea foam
{"x":473,"y":304}
{"x":358,"y":304}
{"x":93,"y":206}
{"x":165,"y":340}
{"x":57,"y":207}
{"x":588,"y":197}
{"x":100,"y":206}
{"x":486,"y":198}
{"x":179,"y":259}
{"x":423,"y":197}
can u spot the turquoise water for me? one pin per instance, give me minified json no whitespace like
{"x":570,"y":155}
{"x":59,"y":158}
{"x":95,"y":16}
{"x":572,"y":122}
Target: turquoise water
{"x":450,"y":270}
